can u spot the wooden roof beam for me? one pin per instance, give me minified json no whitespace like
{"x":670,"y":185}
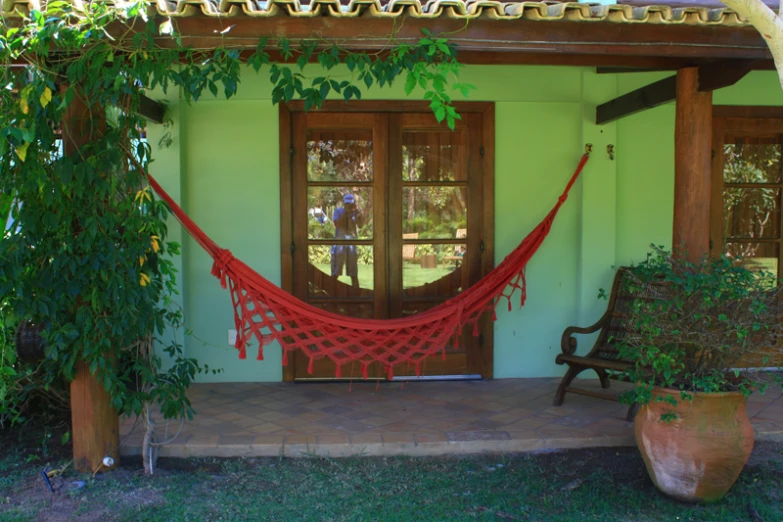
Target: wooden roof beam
{"x":647,"y":97}
{"x":711,"y":76}
{"x":678,"y":41}
{"x":151,"y":109}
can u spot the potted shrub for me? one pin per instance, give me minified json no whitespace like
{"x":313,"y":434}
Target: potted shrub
{"x":691,"y":327}
{"x":427,"y":255}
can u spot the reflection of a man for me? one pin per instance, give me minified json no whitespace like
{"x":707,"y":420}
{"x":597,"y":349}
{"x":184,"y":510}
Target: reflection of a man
{"x":345,"y":227}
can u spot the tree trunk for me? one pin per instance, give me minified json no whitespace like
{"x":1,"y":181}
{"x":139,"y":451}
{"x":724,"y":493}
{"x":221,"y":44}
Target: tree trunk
{"x":149,"y":452}
{"x":768,"y":23}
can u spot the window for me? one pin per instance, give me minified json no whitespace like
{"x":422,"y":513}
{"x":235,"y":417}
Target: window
{"x":747,"y":188}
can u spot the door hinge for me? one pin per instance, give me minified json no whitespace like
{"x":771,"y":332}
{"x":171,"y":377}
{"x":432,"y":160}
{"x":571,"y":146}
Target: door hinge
{"x":481,"y":151}
{"x":481,"y":340}
{"x":293,"y":247}
{"x":713,"y":153}
{"x":481,"y":246}
{"x":291,"y":151}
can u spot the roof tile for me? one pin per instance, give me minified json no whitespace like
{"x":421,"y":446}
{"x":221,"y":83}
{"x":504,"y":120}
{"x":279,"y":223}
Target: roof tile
{"x":461,"y":9}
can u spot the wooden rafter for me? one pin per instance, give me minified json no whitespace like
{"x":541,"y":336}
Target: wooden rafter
{"x":153,"y":110}
{"x":647,"y":97}
{"x":711,"y":76}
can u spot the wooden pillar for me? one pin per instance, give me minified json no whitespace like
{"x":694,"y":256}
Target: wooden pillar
{"x":692,"y":167}
{"x":95,"y":424}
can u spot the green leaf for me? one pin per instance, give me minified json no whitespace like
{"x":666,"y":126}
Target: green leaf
{"x":440,"y":113}
{"x":324,"y":90}
{"x":410,"y":83}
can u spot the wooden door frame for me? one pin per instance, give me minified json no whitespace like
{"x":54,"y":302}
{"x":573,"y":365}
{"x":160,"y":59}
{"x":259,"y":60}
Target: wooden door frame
{"x":286,"y":151}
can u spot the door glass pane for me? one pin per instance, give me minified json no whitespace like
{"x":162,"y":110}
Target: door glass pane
{"x":751,"y":212}
{"x":344,"y":270}
{"x":433,"y":156}
{"x":752,"y":160}
{"x":432,"y":270}
{"x":756,"y":256}
{"x":340,"y":212}
{"x":339,"y":155}
{"x":435,"y":212}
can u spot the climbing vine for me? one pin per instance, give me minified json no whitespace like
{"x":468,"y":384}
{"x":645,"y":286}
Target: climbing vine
{"x":88,"y":260}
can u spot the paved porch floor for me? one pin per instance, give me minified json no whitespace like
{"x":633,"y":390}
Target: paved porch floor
{"x":404,"y":418}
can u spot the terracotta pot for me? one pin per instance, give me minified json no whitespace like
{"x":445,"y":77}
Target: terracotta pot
{"x":698,"y":456}
{"x":429,"y":261}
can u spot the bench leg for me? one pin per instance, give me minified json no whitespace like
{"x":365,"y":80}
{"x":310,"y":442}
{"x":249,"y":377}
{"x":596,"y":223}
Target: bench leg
{"x":603,"y":377}
{"x":567,"y":378}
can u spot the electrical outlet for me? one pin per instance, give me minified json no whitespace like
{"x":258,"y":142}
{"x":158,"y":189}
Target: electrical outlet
{"x":232,"y":337}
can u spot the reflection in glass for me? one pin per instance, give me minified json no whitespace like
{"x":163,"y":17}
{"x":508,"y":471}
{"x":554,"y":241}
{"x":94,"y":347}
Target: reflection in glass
{"x":346,"y":212}
{"x":752,"y":160}
{"x":361,"y":310}
{"x":435,"y":212}
{"x":339,"y":156}
{"x":751,"y":212}
{"x":432,"y":270}
{"x":756,"y":256}
{"x":433,"y":156}
{"x":344,"y":270}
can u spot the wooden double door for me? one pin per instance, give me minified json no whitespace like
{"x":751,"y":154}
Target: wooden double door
{"x":390,"y":215}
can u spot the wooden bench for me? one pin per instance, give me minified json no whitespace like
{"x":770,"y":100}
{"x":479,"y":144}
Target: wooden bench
{"x":604,"y":357}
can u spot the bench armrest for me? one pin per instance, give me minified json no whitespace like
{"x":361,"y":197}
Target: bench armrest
{"x":568,"y":341}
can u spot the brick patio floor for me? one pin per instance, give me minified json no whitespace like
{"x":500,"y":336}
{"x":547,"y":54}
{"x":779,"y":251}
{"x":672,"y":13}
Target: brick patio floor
{"x":411,"y":418}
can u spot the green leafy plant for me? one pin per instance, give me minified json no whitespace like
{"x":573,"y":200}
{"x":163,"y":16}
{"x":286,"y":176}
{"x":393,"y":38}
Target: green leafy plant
{"x":87,"y":257}
{"x":692,"y":326}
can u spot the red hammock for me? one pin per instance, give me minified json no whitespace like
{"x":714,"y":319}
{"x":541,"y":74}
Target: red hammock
{"x":264,"y":310}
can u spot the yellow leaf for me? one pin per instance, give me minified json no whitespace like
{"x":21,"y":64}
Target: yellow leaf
{"x":23,"y":100}
{"x":141,"y":261}
{"x":155,"y":244}
{"x":145,"y":279}
{"x":46,"y":97}
{"x":143,"y":194}
{"x":21,"y":151}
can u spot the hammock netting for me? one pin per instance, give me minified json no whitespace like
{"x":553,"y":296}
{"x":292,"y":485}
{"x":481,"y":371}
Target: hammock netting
{"x":265,"y":311}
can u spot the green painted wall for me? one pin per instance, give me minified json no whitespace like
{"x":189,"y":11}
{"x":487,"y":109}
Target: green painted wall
{"x":224,"y":162}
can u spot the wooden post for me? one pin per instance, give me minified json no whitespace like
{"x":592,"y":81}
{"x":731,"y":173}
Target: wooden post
{"x":692,"y":167}
{"x":95,"y":425}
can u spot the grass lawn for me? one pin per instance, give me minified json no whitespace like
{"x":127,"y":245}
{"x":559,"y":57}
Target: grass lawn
{"x":413,"y":274}
{"x":579,"y":485}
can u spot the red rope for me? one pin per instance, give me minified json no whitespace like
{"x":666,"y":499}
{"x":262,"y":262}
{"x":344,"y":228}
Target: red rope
{"x":266,"y":312}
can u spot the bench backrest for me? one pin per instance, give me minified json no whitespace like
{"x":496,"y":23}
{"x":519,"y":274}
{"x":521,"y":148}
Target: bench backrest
{"x":619,"y":311}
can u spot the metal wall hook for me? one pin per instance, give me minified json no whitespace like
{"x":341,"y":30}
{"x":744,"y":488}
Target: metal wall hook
{"x":610,"y":151}
{"x":588,"y":148}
